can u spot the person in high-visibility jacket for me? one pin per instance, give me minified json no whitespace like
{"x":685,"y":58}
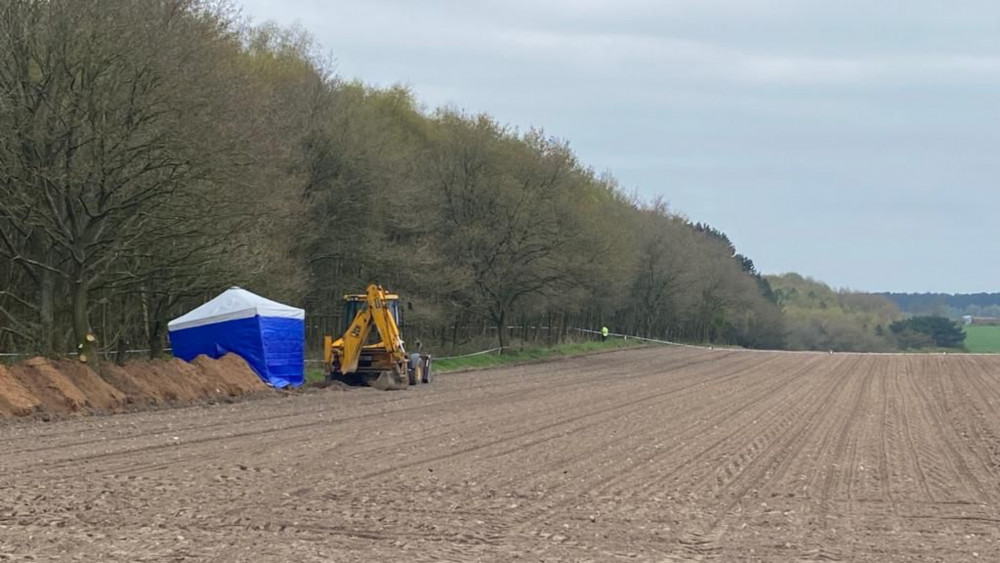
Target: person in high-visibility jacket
{"x":604,"y":333}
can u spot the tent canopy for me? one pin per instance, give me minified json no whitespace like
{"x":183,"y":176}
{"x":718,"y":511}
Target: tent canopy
{"x":270,"y":336}
{"x":235,"y":303}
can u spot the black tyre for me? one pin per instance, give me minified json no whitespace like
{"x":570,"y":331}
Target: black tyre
{"x":428,"y":371}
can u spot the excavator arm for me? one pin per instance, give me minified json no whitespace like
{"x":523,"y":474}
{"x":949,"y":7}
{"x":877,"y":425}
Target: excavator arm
{"x":354,"y":340}
{"x":386,"y":324}
{"x":344,"y":354}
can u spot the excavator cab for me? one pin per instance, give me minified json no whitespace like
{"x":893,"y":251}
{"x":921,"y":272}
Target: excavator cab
{"x":371,"y":351}
{"x":355,"y":305}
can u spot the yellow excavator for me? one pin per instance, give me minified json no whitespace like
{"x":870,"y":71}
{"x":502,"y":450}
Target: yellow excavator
{"x":377,"y":358}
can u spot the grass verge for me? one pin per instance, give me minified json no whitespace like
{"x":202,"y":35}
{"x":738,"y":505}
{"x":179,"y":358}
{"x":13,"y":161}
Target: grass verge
{"x":530,"y":354}
{"x":315,"y":375}
{"x":483,"y":361}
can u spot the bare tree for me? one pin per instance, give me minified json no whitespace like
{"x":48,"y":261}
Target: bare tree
{"x":118,"y":137}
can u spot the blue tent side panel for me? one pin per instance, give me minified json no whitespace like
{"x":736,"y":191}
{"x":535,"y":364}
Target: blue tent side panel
{"x":240,"y":336}
{"x":284,"y":350}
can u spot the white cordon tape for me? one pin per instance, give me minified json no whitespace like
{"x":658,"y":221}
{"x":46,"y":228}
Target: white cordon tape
{"x":627,"y":336}
{"x":669,"y":343}
{"x":480,"y":353}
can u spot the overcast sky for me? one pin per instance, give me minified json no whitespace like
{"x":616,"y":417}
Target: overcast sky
{"x":852,"y":141}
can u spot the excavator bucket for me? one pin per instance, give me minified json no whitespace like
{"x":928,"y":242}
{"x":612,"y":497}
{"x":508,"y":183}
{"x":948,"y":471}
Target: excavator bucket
{"x":390,"y":380}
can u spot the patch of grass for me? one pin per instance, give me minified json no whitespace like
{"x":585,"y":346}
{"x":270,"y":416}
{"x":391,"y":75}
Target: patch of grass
{"x":982,"y":339}
{"x":509,"y":357}
{"x":932,"y":350}
{"x":315,"y":374}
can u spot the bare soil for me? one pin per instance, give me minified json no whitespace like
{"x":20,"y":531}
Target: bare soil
{"x":53,"y":390}
{"x":229,"y":375}
{"x":16,"y":400}
{"x":640,"y":455}
{"x":42,"y":386}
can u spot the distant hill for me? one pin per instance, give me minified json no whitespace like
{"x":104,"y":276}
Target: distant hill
{"x":947,"y":304}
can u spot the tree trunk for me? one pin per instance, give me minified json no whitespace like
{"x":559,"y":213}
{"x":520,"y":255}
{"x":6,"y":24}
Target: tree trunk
{"x":46,"y":308}
{"x":502,"y":329}
{"x":81,"y":323}
{"x":122,"y":351}
{"x":155,"y":330}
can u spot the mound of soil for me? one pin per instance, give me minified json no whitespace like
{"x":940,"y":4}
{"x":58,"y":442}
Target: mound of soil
{"x":136,"y":390}
{"x":97,"y":392}
{"x":66,"y":386}
{"x":54,"y":391}
{"x":167,"y":380}
{"x":234,"y":371}
{"x":15,"y":399}
{"x":193,"y":382}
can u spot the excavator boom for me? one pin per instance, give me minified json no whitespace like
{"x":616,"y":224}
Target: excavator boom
{"x":385,"y":323}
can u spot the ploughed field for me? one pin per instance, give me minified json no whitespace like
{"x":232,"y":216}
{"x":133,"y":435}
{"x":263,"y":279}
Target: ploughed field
{"x":656,"y":454}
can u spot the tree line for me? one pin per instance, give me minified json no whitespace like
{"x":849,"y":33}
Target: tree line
{"x":821,"y":318}
{"x":948,"y":304}
{"x":818,"y":317}
{"x":153,"y":153}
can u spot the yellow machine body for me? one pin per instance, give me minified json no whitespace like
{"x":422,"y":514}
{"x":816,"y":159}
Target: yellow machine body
{"x":371,"y":349}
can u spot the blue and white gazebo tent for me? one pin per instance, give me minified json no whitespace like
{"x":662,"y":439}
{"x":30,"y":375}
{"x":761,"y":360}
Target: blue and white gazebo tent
{"x":270,"y":336}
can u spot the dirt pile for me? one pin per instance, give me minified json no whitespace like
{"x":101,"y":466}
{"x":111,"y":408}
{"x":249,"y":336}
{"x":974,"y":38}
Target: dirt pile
{"x":97,"y":393}
{"x":40,"y":385}
{"x":15,"y":399}
{"x":53,"y":390}
{"x":233,"y":371}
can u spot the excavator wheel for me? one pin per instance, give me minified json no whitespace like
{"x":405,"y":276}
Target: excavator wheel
{"x":415,"y":369}
{"x":390,"y":380}
{"x":428,"y":372}
{"x":416,"y":374}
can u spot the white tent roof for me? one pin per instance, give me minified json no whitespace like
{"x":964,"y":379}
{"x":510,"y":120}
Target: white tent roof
{"x":234,"y":303}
